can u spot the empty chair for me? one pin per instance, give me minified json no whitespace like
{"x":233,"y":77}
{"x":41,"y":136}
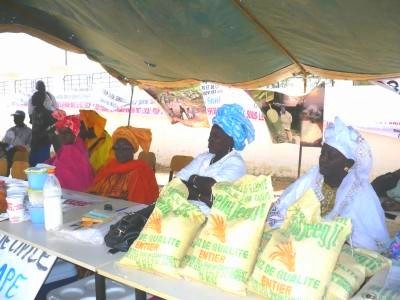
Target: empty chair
{"x":3,"y":167}
{"x":149,"y":158}
{"x":177,"y":163}
{"x":17,"y":169}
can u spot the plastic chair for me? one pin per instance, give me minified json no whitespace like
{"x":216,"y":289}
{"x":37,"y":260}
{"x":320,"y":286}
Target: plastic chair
{"x":177,"y":163}
{"x":3,"y":167}
{"x":21,"y":155}
{"x":17,"y":169}
{"x":149,"y":158}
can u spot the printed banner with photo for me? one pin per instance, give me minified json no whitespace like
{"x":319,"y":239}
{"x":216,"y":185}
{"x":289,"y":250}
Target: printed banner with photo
{"x":184,"y":106}
{"x":292,"y":119}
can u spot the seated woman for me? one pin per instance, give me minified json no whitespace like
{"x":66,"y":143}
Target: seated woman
{"x":97,"y":140}
{"x":230,"y":131}
{"x":124,"y":177}
{"x":72,"y":164}
{"x":341,"y":183}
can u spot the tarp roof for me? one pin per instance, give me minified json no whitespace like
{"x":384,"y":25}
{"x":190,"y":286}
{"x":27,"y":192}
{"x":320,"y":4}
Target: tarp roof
{"x":247,"y":43}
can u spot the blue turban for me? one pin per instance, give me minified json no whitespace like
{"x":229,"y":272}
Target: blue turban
{"x":231,"y":118}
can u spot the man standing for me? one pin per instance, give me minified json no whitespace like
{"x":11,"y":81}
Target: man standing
{"x":49,"y":101}
{"x":17,"y":138}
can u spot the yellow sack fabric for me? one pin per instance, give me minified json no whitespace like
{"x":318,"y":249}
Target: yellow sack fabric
{"x":168,"y":233}
{"x":347,"y":277}
{"x":266,"y":236}
{"x":371,"y":260}
{"x":298,"y":261}
{"x":224,"y":252}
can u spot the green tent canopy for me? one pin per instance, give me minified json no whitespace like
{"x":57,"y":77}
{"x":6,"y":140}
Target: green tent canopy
{"x":244,"y":43}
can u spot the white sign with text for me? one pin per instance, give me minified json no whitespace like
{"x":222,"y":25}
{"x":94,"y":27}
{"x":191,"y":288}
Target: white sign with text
{"x":23,"y":268}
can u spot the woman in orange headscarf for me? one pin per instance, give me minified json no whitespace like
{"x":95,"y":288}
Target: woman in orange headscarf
{"x":125,"y":177}
{"x":97,"y":140}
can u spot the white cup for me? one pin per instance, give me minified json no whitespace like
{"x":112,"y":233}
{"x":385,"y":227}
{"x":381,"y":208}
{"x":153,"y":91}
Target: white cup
{"x":15,"y":208}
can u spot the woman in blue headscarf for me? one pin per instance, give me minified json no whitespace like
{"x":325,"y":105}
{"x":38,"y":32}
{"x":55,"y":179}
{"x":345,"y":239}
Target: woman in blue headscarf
{"x":230,"y":132}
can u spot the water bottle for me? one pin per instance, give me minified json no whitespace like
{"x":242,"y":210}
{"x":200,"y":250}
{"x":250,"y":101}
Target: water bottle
{"x":52,"y":204}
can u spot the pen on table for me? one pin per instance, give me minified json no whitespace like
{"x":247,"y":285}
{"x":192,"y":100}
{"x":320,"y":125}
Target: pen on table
{"x":121,"y":209}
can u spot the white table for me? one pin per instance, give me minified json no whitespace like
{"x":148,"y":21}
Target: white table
{"x":164,"y":286}
{"x":86,"y":255}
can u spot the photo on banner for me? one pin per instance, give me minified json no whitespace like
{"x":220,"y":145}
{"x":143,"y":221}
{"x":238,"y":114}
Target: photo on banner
{"x":185,"y":106}
{"x":292,"y":119}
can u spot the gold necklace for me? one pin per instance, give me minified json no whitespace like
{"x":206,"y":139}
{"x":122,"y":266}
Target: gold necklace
{"x":328,"y":202}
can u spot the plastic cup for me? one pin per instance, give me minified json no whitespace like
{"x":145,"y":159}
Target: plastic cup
{"x":37,"y":214}
{"x":15,"y":208}
{"x":36,"y":177}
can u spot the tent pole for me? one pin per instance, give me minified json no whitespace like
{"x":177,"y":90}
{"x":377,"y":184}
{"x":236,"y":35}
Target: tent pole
{"x":299,"y":163}
{"x":301,"y":146}
{"x":130,"y":106}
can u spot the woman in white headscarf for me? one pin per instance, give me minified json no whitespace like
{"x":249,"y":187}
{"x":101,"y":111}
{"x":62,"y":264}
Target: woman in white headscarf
{"x":341,"y":183}
{"x":230,"y":131}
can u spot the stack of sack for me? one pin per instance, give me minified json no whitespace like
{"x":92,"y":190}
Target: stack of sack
{"x":233,"y":249}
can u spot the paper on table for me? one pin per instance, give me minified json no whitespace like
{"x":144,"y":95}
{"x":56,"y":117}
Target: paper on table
{"x":3,"y":216}
{"x":95,"y":234}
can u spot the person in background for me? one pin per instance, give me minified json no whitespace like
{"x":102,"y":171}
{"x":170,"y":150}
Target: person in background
{"x":123,"y":176}
{"x":97,"y":140}
{"x":230,"y":131}
{"x":17,"y":138}
{"x":387,"y":187}
{"x":73,"y":168}
{"x":42,"y":122}
{"x":286,"y":119}
{"x":341,"y":183}
{"x":49,"y":101}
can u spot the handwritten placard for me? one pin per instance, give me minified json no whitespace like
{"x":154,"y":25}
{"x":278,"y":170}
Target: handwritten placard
{"x":23,"y":268}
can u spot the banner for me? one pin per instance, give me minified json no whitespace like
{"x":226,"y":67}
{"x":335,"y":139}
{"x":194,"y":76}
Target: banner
{"x":392,"y":84}
{"x":369,"y":108}
{"x":184,"y":106}
{"x":23,"y":268}
{"x":101,"y":100}
{"x":292,"y":119}
{"x":289,"y":119}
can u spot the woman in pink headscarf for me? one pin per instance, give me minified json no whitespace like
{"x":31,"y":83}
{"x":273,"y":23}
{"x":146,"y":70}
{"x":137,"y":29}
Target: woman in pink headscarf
{"x":73,"y":168}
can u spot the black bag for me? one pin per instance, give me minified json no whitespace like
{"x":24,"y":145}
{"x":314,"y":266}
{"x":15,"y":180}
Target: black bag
{"x":123,"y":233}
{"x":383,"y":183}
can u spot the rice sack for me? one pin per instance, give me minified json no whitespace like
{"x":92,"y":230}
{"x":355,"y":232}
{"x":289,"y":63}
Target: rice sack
{"x":298,"y":261}
{"x":224,"y":252}
{"x":371,"y":260}
{"x":168,"y":233}
{"x":347,"y":277}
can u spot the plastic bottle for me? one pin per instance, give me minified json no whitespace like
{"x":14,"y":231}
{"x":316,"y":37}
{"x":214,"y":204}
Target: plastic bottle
{"x":52,"y":203}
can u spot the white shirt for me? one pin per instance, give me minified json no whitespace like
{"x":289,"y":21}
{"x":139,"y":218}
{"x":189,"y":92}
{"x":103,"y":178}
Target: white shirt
{"x":229,"y":168}
{"x":18,"y":136}
{"x":49,"y":103}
